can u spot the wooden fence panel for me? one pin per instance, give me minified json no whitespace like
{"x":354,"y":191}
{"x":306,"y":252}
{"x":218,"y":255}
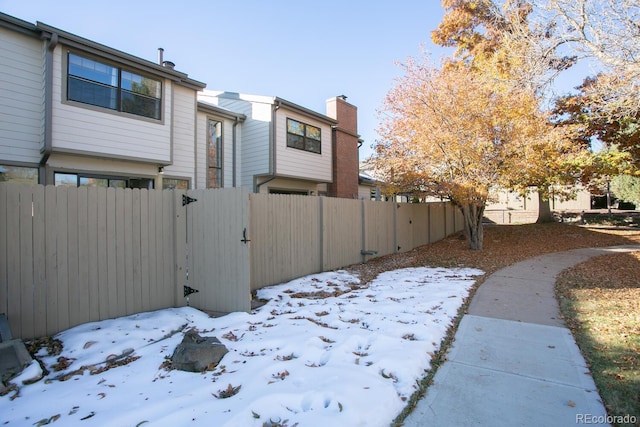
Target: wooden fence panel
{"x":437,"y":229}
{"x":404,"y":229}
{"x":74,"y":255}
{"x":450,"y":219}
{"x":380,"y":230}
{"x":342,"y":230}
{"x":285,"y":238}
{"x":420,"y":222}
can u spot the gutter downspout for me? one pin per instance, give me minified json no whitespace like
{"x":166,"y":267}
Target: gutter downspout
{"x":48,"y":109}
{"x":272,"y":146}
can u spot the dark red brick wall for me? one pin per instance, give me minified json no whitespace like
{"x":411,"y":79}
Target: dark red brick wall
{"x":345,"y":149}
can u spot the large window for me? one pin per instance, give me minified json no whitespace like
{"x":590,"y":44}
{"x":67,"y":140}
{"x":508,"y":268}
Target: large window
{"x":214,"y":154}
{"x":96,"y":83}
{"x":303,"y":136}
{"x":79,"y":180}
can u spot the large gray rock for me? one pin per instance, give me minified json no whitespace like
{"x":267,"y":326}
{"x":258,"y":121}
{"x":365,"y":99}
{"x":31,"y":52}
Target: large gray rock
{"x":197,"y":354}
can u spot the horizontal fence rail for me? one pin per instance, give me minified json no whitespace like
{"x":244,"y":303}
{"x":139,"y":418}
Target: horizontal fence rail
{"x":75,"y":255}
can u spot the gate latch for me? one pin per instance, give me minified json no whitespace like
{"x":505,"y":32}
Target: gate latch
{"x":244,"y":237}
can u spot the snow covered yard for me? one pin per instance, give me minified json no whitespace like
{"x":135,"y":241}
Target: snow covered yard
{"x":324,"y":350}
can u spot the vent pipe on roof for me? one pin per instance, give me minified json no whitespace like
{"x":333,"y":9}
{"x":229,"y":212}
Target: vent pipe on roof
{"x":166,"y":64}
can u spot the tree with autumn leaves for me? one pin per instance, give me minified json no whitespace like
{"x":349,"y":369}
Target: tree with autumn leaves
{"x":457,"y":131}
{"x":473,"y":123}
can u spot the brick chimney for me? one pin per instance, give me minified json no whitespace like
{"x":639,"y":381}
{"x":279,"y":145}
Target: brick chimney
{"x":345,"y":140}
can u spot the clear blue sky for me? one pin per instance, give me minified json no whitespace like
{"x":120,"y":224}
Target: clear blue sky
{"x":303,"y":51}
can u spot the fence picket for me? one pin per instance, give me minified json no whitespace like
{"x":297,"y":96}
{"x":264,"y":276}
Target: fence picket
{"x":39,"y":262}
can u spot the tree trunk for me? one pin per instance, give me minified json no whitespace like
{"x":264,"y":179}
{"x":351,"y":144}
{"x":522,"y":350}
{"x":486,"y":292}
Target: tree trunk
{"x":544,"y":209}
{"x":473,"y":225}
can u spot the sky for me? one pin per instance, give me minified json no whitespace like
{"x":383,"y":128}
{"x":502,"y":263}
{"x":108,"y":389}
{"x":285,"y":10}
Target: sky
{"x":324,"y":350}
{"x":303,"y":51}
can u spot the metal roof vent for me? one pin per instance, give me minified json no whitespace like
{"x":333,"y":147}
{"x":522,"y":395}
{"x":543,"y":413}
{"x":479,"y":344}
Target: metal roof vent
{"x":166,"y":64}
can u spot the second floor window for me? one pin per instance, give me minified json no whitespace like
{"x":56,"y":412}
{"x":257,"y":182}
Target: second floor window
{"x":103,"y":85}
{"x":214,"y":154}
{"x":303,"y":136}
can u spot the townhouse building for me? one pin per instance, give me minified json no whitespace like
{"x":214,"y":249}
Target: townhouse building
{"x":76,"y":112}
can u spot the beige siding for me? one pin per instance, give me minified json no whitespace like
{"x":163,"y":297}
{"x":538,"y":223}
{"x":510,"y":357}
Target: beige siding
{"x":21,"y":97}
{"x":581,"y":202}
{"x":310,"y":187}
{"x":201,"y":151}
{"x":184,"y":137}
{"x":68,"y":162}
{"x":295,"y":163}
{"x":100,"y":133}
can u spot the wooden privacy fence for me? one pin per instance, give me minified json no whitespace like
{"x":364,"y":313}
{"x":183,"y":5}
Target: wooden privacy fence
{"x":292,"y":236}
{"x":75,"y":255}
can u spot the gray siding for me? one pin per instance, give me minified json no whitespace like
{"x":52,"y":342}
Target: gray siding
{"x":184,"y":138}
{"x":22,"y":99}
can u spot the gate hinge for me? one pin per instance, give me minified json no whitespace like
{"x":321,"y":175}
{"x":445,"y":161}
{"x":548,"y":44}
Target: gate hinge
{"x":186,"y":200}
{"x":188,"y":291}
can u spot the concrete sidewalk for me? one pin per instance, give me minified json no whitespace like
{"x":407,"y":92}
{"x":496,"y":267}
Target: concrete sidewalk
{"x":513,"y":362}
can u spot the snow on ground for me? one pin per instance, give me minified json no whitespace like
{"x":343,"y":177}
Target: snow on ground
{"x":323,"y":351}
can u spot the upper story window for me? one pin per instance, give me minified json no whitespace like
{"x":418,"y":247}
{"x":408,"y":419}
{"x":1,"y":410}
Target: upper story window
{"x":303,"y":136}
{"x":214,"y":154}
{"x":103,"y":85}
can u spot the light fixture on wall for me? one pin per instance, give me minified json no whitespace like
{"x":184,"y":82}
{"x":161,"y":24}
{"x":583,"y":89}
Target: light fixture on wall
{"x":160,"y":170}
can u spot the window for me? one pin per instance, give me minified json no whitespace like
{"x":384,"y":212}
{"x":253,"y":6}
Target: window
{"x":95,"y":83}
{"x":214,"y":154}
{"x":76,"y":180}
{"x":175,"y":184}
{"x":18,"y":174}
{"x":303,"y":136}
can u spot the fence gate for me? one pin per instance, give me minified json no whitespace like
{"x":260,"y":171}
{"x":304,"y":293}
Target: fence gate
{"x":216,"y":253}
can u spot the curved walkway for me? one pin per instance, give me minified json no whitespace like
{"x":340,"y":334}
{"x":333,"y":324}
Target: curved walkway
{"x":513,"y":362}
